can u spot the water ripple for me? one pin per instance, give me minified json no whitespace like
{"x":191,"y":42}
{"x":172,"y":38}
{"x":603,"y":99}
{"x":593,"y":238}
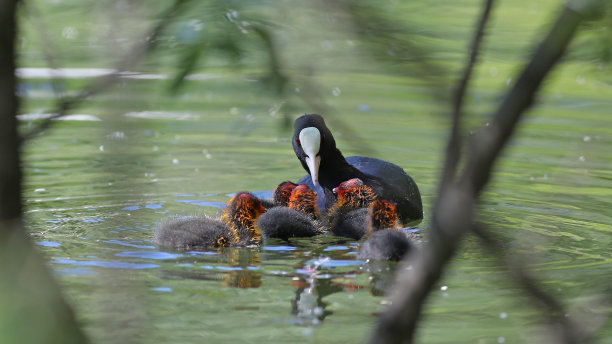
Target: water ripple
{"x":105,"y":264}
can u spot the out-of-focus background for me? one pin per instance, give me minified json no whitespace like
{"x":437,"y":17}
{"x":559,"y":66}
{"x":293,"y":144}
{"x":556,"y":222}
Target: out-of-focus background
{"x":209,"y":112}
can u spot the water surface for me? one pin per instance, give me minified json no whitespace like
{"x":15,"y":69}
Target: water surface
{"x":98,"y":184}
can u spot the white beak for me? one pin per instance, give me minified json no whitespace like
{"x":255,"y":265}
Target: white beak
{"x":310,"y":139}
{"x":313,"y":165}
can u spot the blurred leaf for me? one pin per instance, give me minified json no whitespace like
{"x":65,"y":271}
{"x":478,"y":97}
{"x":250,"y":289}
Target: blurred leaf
{"x":188,"y":63}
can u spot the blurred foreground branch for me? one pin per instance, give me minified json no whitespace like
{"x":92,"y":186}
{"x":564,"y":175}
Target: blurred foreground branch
{"x":564,"y":327}
{"x":453,"y":148}
{"x":101,"y":84}
{"x":32,"y":309}
{"x":454,"y":209}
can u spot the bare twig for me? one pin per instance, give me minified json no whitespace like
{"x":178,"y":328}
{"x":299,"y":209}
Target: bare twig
{"x":488,"y":142}
{"x":48,"y":48}
{"x":131,"y":59}
{"x":453,"y":215}
{"x":551,"y":307}
{"x":453,"y":148}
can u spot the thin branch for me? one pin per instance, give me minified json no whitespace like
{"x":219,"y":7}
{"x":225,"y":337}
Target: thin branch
{"x":453,"y":148}
{"x":453,"y":215}
{"x":48,"y":48}
{"x":551,"y":307}
{"x":131,"y":59}
{"x":488,"y":143}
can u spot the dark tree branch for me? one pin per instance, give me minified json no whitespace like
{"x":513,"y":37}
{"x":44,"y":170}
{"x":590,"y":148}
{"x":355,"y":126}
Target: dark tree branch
{"x":487,"y":144}
{"x":131,"y":59}
{"x":453,"y":148}
{"x":10,"y":166}
{"x":453,"y":214}
{"x":28,"y":294}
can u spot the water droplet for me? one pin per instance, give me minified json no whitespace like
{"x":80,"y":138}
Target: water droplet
{"x":582,"y":158}
{"x":155,"y":148}
{"x":580,"y":80}
{"x":70,"y":32}
{"x":175,"y":161}
{"x":587,"y":139}
{"x":501,"y":340}
{"x":101,"y":148}
{"x":444,"y":288}
{"x":503,"y":315}
{"x":117,"y":135}
{"x":508,"y":81}
{"x":336,"y":91}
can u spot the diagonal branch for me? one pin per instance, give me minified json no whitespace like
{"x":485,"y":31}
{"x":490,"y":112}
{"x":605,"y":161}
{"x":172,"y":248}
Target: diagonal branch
{"x":488,"y":143}
{"x":453,"y":214}
{"x":453,"y":148}
{"x":551,"y":307}
{"x":99,"y":85}
{"x":48,"y":48}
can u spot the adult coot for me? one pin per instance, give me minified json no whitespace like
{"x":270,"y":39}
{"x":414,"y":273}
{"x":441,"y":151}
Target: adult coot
{"x":315,"y":147}
{"x":237,"y":226}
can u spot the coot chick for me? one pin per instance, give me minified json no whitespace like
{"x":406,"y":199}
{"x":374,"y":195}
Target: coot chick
{"x":315,"y":147}
{"x":282,"y":193}
{"x":297,"y":219}
{"x":386,"y":244}
{"x":384,"y":240}
{"x":235,"y":227}
{"x":349,"y":216}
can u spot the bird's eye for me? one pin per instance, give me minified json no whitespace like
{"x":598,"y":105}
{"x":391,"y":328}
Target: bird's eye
{"x":298,"y":142}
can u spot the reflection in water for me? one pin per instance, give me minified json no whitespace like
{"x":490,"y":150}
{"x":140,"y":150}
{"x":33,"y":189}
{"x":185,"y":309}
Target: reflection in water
{"x":249,"y":273}
{"x":308,"y":305}
{"x":381,"y":276}
{"x":234,"y":267}
{"x":316,"y":282}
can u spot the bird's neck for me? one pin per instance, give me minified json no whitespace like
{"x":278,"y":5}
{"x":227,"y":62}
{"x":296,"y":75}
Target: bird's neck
{"x":335,"y":169}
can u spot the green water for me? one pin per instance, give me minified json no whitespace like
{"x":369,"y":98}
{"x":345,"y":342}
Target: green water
{"x":95,"y":190}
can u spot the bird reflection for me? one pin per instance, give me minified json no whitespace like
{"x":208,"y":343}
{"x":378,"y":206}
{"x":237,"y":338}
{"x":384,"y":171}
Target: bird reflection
{"x":244,"y":268}
{"x":234,"y":267}
{"x":308,"y":305}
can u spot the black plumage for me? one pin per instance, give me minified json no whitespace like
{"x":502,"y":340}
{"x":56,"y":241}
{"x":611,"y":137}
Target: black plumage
{"x":388,"y":180}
